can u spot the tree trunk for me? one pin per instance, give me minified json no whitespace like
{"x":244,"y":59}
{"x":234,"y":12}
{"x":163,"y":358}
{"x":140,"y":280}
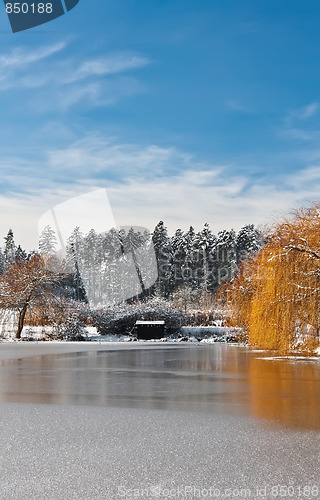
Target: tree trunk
{"x":22,"y":315}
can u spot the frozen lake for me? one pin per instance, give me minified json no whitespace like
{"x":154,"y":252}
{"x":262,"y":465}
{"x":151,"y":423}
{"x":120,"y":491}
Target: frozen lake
{"x":215,"y":378}
{"x":156,"y":421}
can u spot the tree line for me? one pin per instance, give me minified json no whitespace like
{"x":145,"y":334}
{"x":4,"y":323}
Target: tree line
{"x":115,"y":267}
{"x":201,"y":260}
{"x":133,"y":262}
{"x":270,"y":284}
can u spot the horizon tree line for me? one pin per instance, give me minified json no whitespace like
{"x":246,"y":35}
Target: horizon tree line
{"x":120,"y":263}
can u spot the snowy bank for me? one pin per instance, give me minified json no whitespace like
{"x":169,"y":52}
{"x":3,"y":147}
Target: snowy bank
{"x":202,"y":331}
{"x":211,"y":333}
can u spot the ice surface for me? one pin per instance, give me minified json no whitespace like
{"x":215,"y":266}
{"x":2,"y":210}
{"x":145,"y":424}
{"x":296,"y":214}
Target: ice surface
{"x":59,"y":452}
{"x":89,"y":453}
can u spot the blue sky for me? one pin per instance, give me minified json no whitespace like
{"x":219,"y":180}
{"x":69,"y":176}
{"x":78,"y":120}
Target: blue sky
{"x":185,"y":111}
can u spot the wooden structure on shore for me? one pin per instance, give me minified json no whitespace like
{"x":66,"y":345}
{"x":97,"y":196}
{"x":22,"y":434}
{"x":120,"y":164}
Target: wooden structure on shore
{"x":147,"y":330}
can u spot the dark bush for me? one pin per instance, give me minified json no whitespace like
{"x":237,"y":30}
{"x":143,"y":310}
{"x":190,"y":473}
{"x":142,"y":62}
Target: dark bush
{"x":121,"y":320}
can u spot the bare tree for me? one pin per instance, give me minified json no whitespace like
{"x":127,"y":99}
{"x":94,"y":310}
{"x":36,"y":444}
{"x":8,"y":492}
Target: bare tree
{"x":30,"y":284}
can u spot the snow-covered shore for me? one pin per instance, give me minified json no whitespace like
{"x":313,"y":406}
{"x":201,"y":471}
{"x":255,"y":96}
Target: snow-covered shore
{"x":42,"y":335}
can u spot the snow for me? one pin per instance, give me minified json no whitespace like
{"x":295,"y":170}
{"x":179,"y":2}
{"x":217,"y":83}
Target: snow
{"x":204,"y":330}
{"x":90,"y":334}
{"x":292,"y":358}
{"x":8,"y":320}
{"x":140,"y":322}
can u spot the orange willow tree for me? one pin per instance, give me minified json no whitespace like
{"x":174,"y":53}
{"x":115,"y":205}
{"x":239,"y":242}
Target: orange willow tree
{"x":276,"y":295}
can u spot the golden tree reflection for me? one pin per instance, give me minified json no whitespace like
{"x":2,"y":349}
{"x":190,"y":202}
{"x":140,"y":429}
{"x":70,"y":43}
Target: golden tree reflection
{"x":285,"y":392}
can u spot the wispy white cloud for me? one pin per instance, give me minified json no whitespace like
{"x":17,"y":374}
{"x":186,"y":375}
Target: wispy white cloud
{"x":308,"y":111}
{"x":114,"y":64}
{"x":91,"y":92}
{"x":146,"y":184}
{"x":301,"y":114}
{"x":23,"y":56}
{"x":299,"y":124}
{"x":229,"y":202}
{"x":305,"y":178}
{"x":15,"y":67}
{"x":61,"y":82}
{"x":109,"y":157}
{"x":300,"y":134}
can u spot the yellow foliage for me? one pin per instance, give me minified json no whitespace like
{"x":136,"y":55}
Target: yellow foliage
{"x":276,"y":295}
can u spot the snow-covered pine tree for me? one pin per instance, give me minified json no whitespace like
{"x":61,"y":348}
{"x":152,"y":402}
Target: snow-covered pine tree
{"x":111,"y":245}
{"x":149,"y":264}
{"x":74,"y":257}
{"x":226,"y":255}
{"x":77,"y":283}
{"x":20,"y":254}
{"x":9,"y":248}
{"x":178,"y":257}
{"x":1,"y":262}
{"x":163,"y":251}
{"x":205,"y":247}
{"x":248,"y":241}
{"x":188,"y":268}
{"x":90,"y":267}
{"x":132,"y":242}
{"x":112,"y":251}
{"x":75,"y":241}
{"x":47,"y":241}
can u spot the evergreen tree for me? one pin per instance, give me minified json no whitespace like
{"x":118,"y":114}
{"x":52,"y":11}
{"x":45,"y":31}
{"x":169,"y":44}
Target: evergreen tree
{"x":134,"y":246}
{"x":178,"y":258}
{"x":113,"y":250}
{"x":113,"y":264}
{"x":247,"y":242}
{"x":1,"y":262}
{"x":9,"y":248}
{"x":163,"y":251}
{"x":77,"y":283}
{"x":206,"y":268}
{"x":47,"y":241}
{"x":226,"y":255}
{"x":20,"y":254}
{"x":74,"y":257}
{"x":111,"y":243}
{"x":90,"y":270}
{"x":75,"y":243}
{"x":188,"y":267}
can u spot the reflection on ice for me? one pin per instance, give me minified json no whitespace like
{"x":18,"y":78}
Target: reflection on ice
{"x":216,"y":379}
